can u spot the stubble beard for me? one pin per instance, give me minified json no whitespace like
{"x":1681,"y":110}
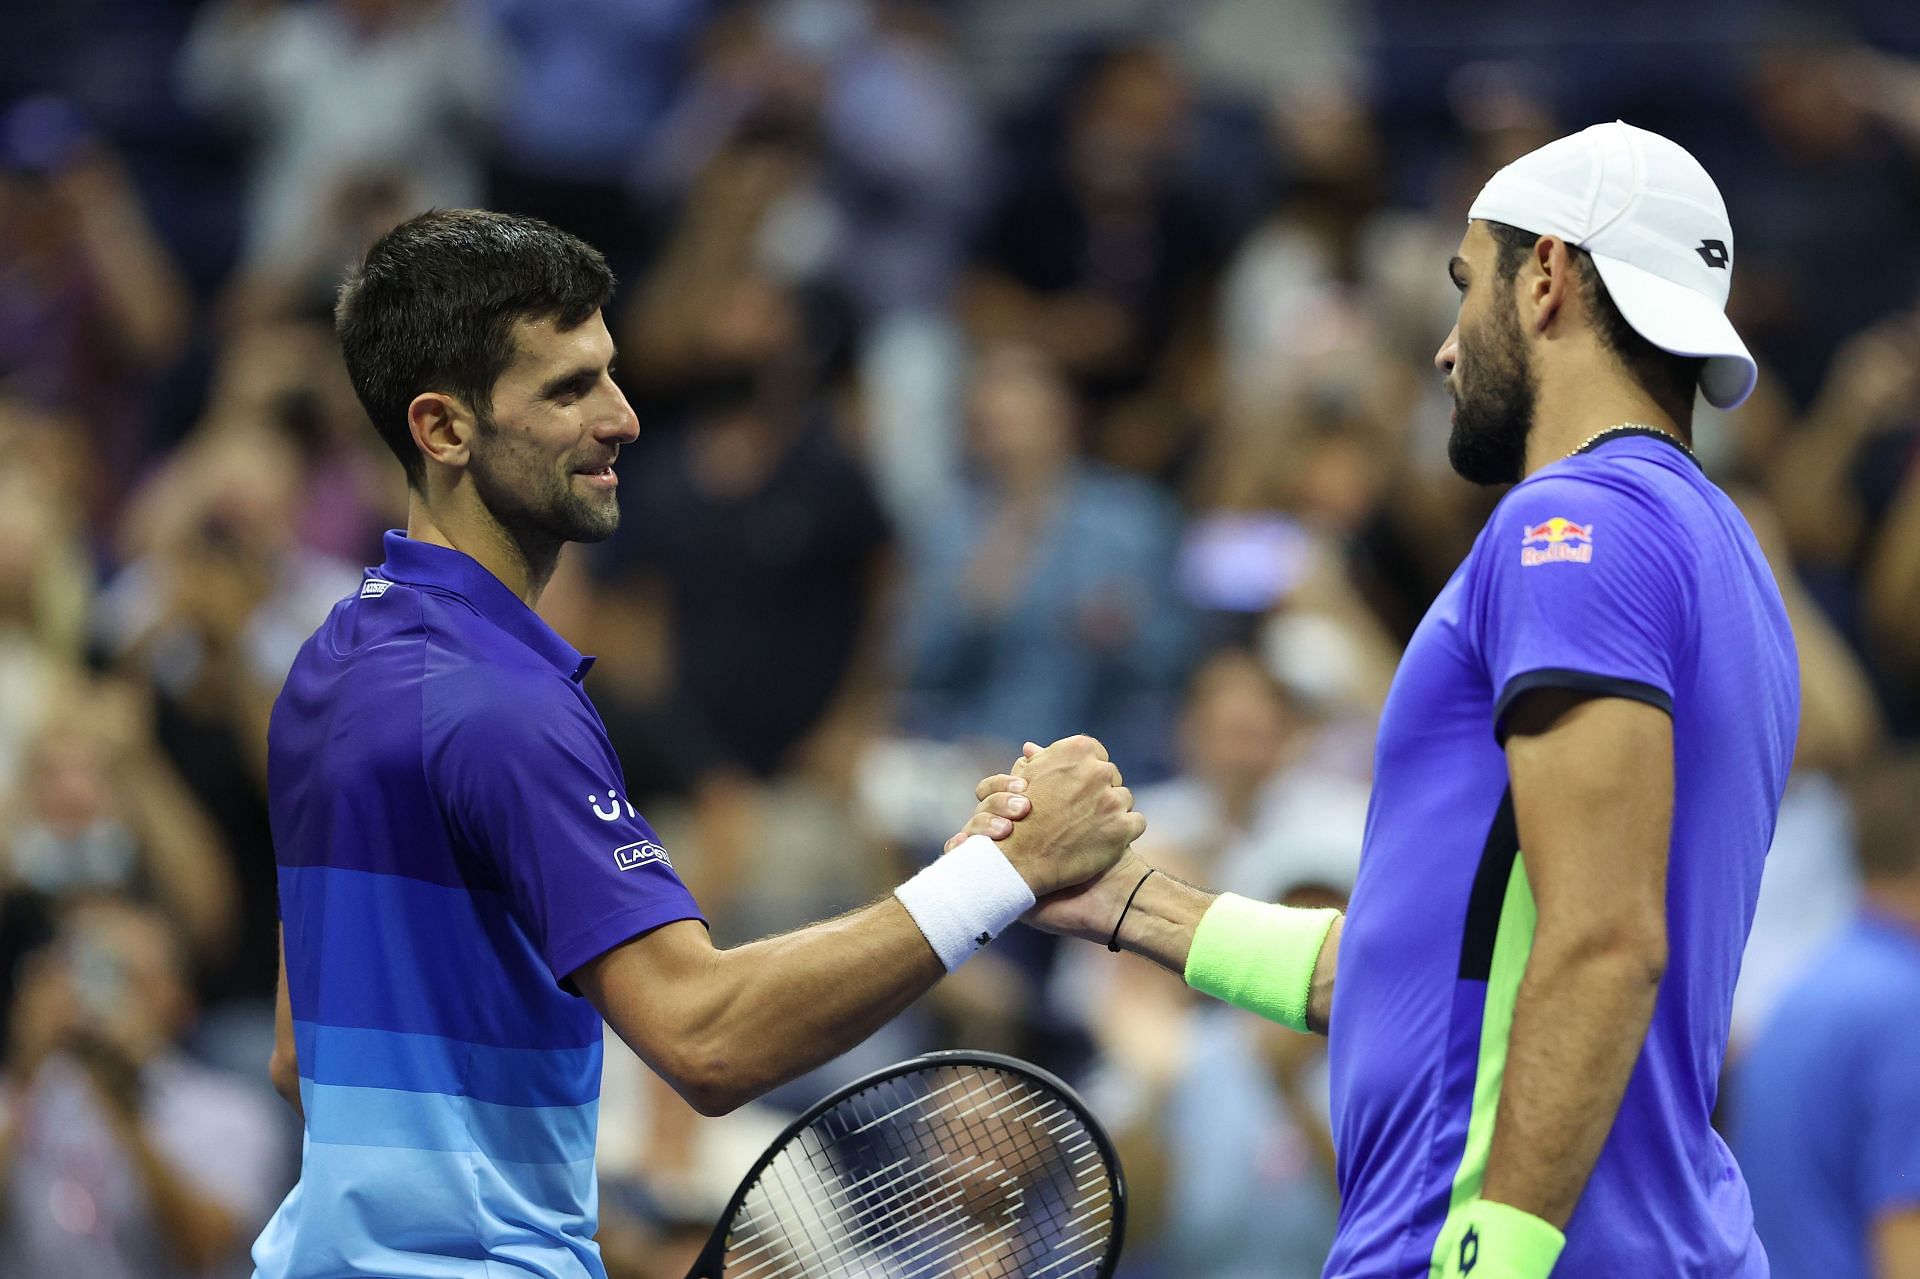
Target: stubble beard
{"x":538,"y":508}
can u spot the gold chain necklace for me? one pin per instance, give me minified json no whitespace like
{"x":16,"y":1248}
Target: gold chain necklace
{"x":1622,"y":428}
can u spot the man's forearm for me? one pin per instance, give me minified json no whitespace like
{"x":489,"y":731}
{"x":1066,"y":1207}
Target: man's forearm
{"x":1579,"y":1022}
{"x":1160,"y":923}
{"x":1160,"y":926}
{"x":804,"y":998}
{"x":723,"y":1027}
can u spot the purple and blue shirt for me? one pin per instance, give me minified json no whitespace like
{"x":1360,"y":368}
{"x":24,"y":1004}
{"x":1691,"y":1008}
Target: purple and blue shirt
{"x":454,"y":840}
{"x":1620,"y":571}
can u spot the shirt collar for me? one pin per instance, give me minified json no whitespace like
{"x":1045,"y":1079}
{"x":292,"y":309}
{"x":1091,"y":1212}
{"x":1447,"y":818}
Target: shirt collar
{"x":443,"y":568}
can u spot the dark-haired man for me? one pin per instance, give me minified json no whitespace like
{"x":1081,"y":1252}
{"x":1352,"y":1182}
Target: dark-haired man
{"x":459,"y":863}
{"x":1525,"y":1046}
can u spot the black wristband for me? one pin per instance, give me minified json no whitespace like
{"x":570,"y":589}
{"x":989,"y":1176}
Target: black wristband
{"x":1113,"y":942}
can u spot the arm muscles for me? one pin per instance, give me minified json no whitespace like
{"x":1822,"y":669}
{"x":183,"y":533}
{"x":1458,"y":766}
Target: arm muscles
{"x":723,"y":1026}
{"x":1593,"y":797}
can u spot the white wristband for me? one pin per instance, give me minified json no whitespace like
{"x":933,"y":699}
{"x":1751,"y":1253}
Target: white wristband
{"x":966,"y":899}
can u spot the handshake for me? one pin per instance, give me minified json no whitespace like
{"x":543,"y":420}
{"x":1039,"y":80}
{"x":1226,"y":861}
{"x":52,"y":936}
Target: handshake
{"x":1063,"y":817}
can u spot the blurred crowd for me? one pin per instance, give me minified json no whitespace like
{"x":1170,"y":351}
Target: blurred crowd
{"x":1005,"y":370}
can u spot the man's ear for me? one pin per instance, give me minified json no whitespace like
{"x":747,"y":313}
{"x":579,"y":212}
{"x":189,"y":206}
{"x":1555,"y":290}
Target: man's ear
{"x":1549,"y":281}
{"x":443,"y":428}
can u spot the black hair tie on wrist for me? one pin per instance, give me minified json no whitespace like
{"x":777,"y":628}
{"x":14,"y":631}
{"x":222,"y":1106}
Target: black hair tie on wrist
{"x":1113,"y":942}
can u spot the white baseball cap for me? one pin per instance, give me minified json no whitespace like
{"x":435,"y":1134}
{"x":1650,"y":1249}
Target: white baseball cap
{"x":1657,"y":229}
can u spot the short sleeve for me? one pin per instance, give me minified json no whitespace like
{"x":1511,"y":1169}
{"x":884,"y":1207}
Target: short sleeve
{"x":1890,"y":1154}
{"x":1581,"y":585}
{"x":530,"y":784}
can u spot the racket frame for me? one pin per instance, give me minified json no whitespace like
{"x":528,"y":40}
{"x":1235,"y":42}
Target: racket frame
{"x":713,"y":1256}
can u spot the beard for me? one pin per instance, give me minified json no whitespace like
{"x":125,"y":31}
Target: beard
{"x":1494,"y":411}
{"x":539,"y":507}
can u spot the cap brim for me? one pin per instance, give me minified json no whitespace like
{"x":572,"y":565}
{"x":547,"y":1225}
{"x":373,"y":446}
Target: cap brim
{"x":1678,"y":320}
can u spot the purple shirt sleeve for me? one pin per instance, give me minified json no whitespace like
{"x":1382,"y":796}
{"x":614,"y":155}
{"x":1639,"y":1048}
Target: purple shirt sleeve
{"x":531,"y":784}
{"x":1580,"y":584}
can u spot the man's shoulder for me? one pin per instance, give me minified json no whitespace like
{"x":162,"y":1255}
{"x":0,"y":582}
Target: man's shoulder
{"x":1618,"y":479}
{"x":1585,"y":500}
{"x":501,"y":690}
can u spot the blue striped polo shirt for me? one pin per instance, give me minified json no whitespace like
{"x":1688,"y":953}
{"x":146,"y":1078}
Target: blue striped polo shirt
{"x":453,"y":839}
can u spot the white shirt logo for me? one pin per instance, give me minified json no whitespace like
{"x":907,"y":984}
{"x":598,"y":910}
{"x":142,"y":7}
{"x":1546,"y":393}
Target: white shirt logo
{"x":611,"y":813}
{"x":373,"y":588}
{"x":630,"y":856}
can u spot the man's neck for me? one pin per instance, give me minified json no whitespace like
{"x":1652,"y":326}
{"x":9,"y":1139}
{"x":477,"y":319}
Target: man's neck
{"x":1562,"y":423}
{"x":523,"y":571}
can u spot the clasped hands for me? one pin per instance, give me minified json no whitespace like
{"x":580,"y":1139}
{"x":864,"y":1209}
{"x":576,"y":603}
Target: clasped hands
{"x":1064,"y":817}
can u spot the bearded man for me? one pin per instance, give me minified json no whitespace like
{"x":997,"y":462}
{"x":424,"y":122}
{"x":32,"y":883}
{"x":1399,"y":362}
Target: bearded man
{"x":1576,"y":780}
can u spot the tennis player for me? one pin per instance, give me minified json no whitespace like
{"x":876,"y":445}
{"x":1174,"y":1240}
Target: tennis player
{"x":465,"y":890}
{"x":1577,"y":776}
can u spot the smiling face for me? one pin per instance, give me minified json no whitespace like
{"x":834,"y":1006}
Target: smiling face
{"x":542,"y":458}
{"x":1488,"y":370}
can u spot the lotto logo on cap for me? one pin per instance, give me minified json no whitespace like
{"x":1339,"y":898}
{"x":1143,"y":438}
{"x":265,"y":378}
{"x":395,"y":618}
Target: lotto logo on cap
{"x":1657,"y":229}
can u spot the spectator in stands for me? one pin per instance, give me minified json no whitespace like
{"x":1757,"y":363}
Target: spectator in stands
{"x":1095,"y":258}
{"x":91,"y":303}
{"x":1045,"y":598}
{"x":98,"y":808}
{"x":285,"y":382}
{"x":1826,"y":1104}
{"x":1298,"y":503}
{"x":120,"y":1157}
{"x":870,"y":94}
{"x":764,"y":539}
{"x":1844,"y":483}
{"x":1251,"y":808}
{"x":1825,"y":194}
{"x":723,"y":235}
{"x":1837,"y":475}
{"x":1892,"y":589}
{"x":46,"y":585}
{"x":585,"y":89}
{"x":361,"y":111}
{"x":210,"y":611}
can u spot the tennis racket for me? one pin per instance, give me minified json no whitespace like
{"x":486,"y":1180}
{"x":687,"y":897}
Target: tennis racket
{"x":952,"y":1165}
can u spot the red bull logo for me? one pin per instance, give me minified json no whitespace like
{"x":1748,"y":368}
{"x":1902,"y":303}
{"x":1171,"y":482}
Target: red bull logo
{"x":1556,"y":541}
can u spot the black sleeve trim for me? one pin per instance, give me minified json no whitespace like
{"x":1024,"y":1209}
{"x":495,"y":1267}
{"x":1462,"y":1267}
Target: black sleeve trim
{"x":1489,"y":893}
{"x":1575,"y":681}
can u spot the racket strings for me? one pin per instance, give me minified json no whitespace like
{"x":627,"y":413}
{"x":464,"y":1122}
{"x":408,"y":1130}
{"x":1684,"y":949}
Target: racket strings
{"x":964,"y":1172}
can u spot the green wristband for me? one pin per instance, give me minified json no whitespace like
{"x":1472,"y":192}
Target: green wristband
{"x":1486,"y":1240}
{"x":1258,"y":956}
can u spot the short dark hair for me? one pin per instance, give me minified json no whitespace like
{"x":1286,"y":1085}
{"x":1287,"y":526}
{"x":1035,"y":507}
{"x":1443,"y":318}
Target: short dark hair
{"x":1670,"y":379}
{"x":1886,"y":813}
{"x":433,"y":307}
